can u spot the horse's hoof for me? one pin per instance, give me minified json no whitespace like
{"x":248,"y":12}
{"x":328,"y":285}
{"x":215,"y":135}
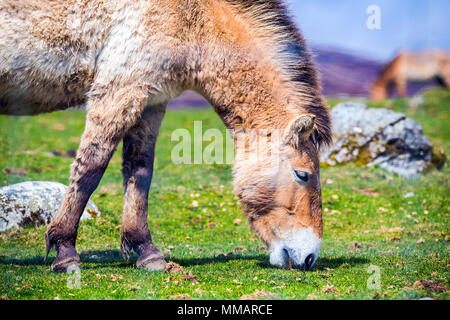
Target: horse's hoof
{"x":67,"y":265}
{"x":152,"y":263}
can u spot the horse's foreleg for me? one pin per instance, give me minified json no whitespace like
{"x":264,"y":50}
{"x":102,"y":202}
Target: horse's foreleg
{"x":445,"y":75}
{"x":400,"y":82}
{"x":138,"y":155}
{"x":108,"y":118}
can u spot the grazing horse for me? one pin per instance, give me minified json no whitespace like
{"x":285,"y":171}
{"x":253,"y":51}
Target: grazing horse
{"x":126,"y":59}
{"x":408,"y":66}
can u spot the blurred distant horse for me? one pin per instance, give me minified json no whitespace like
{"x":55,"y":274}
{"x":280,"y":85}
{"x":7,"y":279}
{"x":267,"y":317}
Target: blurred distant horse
{"x":408,"y":66}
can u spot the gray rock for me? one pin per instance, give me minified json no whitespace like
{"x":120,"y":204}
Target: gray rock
{"x":370,"y":136}
{"x":34,"y":203}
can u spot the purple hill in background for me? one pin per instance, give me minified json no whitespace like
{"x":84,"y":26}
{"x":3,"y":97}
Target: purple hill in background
{"x":343,"y":74}
{"x":350,"y":75}
{"x":188,"y":99}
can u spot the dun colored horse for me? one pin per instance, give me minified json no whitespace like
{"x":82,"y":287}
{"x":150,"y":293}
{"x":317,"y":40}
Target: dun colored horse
{"x":126,"y":59}
{"x":408,"y":66}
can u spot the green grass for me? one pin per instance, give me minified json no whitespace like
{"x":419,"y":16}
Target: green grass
{"x":363,"y":205}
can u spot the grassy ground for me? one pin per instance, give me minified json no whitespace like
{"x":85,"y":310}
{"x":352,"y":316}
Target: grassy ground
{"x":367,"y":222}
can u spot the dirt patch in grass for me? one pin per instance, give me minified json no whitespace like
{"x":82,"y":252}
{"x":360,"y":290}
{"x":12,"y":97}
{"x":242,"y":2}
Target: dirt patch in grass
{"x":190,"y":277}
{"x":430,"y":285}
{"x":173,"y":267}
{"x":389,"y":230}
{"x":367,"y":192}
{"x":329,"y":289}
{"x":15,"y":171}
{"x":180,"y":296}
{"x":259,"y":295}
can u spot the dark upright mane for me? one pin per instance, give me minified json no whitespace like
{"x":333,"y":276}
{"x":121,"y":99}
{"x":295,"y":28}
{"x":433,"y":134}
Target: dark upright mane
{"x":297,"y":60}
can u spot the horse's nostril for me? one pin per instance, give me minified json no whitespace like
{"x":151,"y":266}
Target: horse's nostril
{"x":286,"y":259}
{"x":309,"y":261}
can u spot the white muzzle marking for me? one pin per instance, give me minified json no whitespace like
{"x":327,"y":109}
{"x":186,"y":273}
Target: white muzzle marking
{"x":295,"y":245}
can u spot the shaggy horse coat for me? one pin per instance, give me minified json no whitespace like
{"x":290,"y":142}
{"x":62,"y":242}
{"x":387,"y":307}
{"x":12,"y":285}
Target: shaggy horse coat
{"x":124,"y":60}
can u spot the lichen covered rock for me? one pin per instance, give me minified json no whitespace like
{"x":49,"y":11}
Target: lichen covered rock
{"x":34,"y":203}
{"x":371,"y":136}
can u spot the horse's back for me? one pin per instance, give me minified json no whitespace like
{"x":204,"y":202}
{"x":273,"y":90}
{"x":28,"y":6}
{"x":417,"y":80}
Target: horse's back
{"x":47,"y":54}
{"x":423,"y":66}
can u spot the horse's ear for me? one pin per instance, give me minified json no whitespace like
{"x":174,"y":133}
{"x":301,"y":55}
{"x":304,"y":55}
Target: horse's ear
{"x":299,"y":128}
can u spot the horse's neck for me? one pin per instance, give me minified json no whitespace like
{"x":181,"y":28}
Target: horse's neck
{"x":246,"y":93}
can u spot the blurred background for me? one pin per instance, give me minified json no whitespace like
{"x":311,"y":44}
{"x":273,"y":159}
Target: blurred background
{"x":349,"y":55}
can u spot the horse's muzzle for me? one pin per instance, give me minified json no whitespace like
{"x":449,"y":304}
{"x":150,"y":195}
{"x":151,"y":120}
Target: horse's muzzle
{"x":299,"y":250}
{"x":306,"y":265}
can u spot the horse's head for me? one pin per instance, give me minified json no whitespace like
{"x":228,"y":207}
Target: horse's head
{"x":279,"y":190}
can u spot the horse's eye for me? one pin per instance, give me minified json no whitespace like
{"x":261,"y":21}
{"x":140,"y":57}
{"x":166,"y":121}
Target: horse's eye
{"x":301,"y":176}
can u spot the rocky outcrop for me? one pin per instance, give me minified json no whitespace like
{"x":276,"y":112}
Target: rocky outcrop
{"x":34,"y":203}
{"x":371,"y":136}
